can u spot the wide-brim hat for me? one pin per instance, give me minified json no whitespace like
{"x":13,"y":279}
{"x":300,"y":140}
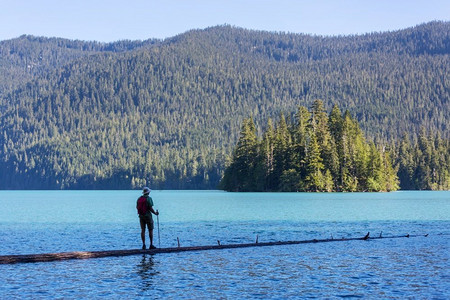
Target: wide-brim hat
{"x":146,"y":190}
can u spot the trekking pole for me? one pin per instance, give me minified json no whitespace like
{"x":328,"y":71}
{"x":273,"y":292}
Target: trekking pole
{"x":159,"y":238}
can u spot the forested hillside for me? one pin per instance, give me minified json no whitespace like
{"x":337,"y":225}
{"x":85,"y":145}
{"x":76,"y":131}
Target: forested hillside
{"x":28,"y":57}
{"x":167,"y":113}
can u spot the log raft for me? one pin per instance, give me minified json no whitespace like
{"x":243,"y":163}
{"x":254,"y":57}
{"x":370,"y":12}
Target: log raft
{"x":46,"y":257}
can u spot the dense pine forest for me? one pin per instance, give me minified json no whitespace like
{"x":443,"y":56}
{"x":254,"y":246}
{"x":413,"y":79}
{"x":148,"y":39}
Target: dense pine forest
{"x":167,"y":113}
{"x":315,"y":152}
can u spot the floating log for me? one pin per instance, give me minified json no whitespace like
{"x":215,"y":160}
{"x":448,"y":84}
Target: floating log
{"x":29,"y":258}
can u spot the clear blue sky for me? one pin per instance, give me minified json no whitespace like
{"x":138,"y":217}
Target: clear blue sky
{"x":112,"y":20}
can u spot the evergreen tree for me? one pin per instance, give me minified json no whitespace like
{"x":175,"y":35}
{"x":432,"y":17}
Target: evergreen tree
{"x":282,"y":148}
{"x":241,"y":176}
{"x":299,"y":140}
{"x":336,"y":123}
{"x":406,"y":164}
{"x":267,"y":151}
{"x":314,"y":180}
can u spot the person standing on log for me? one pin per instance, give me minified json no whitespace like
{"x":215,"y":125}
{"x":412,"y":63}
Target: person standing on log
{"x":145,"y":210}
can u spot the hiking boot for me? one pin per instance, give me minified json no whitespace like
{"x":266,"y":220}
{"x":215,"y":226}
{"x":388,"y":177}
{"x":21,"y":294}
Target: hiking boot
{"x":143,"y":247}
{"x":152,"y":247}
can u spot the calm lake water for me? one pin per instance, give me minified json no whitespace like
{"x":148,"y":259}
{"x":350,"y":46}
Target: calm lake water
{"x":57,"y":221}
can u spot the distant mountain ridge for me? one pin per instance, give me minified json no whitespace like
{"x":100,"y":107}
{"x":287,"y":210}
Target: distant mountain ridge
{"x":27,"y":56}
{"x":167,"y":113}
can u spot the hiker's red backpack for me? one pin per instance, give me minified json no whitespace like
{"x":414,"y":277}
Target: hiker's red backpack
{"x":142,"y":205}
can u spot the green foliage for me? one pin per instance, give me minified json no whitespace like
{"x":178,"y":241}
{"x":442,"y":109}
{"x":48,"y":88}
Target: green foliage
{"x":167,"y":113}
{"x":423,"y":164}
{"x":304,"y":163}
{"x":243,"y":165}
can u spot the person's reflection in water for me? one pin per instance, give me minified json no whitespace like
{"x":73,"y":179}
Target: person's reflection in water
{"x":146,"y":271}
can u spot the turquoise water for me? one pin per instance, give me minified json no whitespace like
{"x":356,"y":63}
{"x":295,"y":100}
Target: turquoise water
{"x":56,"y":221}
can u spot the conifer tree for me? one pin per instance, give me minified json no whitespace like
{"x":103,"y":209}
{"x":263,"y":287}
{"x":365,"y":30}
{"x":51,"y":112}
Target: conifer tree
{"x":336,"y":130}
{"x":314,"y":180}
{"x":241,"y":175}
{"x":267,"y":154}
{"x":406,"y":164}
{"x":282,"y":148}
{"x":299,"y":140}
{"x":391,"y":178}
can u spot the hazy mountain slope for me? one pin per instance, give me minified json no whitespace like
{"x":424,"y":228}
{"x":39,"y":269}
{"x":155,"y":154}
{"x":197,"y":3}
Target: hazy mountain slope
{"x":27,"y":57}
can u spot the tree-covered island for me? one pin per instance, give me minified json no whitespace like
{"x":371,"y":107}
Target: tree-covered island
{"x":316,"y":152}
{"x":313,"y":152}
